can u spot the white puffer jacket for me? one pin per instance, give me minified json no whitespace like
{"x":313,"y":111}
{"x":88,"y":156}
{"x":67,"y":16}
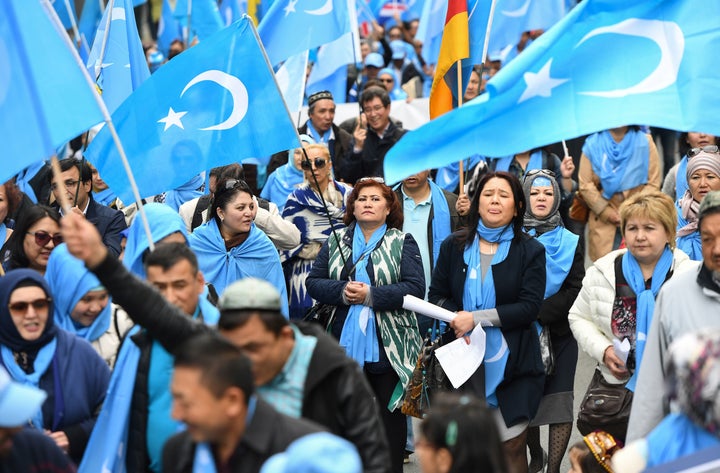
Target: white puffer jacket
{"x":590,"y":315}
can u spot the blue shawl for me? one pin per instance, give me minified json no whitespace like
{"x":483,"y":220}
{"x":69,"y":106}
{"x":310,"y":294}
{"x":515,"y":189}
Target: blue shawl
{"x":255,"y":257}
{"x":681,"y":182}
{"x":69,"y":281}
{"x":560,"y":245}
{"x":163,"y":222}
{"x":448,"y":176}
{"x":620,"y":166}
{"x":691,"y":245}
{"x":104,"y":197}
{"x":187,"y":192}
{"x":441,"y":224}
{"x":677,"y":436}
{"x":645,"y":300}
{"x":281,"y":182}
{"x":359,"y":335}
{"x":503,"y":164}
{"x":480,"y":294}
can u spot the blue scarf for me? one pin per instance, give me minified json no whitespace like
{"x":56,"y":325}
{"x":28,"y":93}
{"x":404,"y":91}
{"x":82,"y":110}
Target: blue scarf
{"x":163,"y":222}
{"x":23,"y":180}
{"x":42,"y":362}
{"x":104,"y":197}
{"x":560,"y":245}
{"x":281,"y":183}
{"x":3,"y":233}
{"x":204,"y":461}
{"x":479,"y":294}
{"x":691,"y":245}
{"x":645,"y":300}
{"x":69,"y":281}
{"x":677,"y":436}
{"x":187,"y":192}
{"x":503,"y":164}
{"x":324,"y":138}
{"x":359,"y":335}
{"x":255,"y":257}
{"x":620,"y":166}
{"x":441,"y":218}
{"x":681,"y":183}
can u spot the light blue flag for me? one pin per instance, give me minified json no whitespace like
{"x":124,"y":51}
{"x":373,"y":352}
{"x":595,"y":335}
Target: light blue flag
{"x":478,"y":15}
{"x":89,"y":22}
{"x":137,"y":3}
{"x":67,"y":15}
{"x":330,"y":69}
{"x":292,"y":26}
{"x":291,"y":80}
{"x":121,"y":67}
{"x":608,"y":63}
{"x":169,"y":28}
{"x":513,"y":17}
{"x":232,"y":10}
{"x":214,"y":104}
{"x":414,"y":10}
{"x":204,"y":17}
{"x":40,"y":108}
{"x":430,"y":28}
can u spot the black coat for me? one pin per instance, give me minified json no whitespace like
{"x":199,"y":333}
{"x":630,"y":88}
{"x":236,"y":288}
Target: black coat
{"x":520,"y":287}
{"x":269,"y":432}
{"x":337,"y":395}
{"x":109,"y":222}
{"x":369,"y":161}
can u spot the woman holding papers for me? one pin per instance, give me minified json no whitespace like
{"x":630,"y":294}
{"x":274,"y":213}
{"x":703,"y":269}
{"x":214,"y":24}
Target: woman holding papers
{"x":365,"y":275}
{"x":493,"y":274}
{"x":611,"y":316}
{"x":564,"y":270}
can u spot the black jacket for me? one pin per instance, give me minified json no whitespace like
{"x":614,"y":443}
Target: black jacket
{"x":109,"y":222}
{"x":269,"y":433}
{"x":520,"y":286}
{"x":337,"y":395}
{"x":369,"y":161}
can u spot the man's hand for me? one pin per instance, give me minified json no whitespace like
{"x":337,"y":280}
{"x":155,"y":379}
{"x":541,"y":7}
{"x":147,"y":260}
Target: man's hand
{"x":60,"y":440}
{"x":83,"y":240}
{"x":567,"y":167}
{"x":360,"y":132}
{"x":462,"y":205}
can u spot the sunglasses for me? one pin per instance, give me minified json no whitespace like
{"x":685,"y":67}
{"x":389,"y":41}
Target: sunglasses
{"x":42,"y":238}
{"x":21,"y":307}
{"x":306,"y":164}
{"x":705,"y":149}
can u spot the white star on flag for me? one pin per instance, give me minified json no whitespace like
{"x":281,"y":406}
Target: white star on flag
{"x":173,"y":118}
{"x":540,"y":83}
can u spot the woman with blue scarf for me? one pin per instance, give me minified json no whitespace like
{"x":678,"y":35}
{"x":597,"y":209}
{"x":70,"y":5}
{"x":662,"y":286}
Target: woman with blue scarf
{"x":675,"y":183}
{"x":564,"y":270}
{"x":492,"y":274}
{"x":366,"y":274}
{"x":306,"y":210}
{"x":83,"y":306}
{"x":693,"y":394}
{"x":37,"y":353}
{"x":615,"y":305}
{"x":614,"y":165}
{"x":285,"y":179}
{"x":392,"y":85}
{"x":703,"y":176}
{"x":230,"y":247}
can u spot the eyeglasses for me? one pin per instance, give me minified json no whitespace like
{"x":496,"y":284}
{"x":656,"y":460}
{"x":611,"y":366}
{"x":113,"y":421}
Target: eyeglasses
{"x":375,"y":109}
{"x":69,"y":184}
{"x":705,"y":149}
{"x":42,"y":238}
{"x":386,"y":81}
{"x":21,"y":307}
{"x":379,"y":180}
{"x":306,"y":164}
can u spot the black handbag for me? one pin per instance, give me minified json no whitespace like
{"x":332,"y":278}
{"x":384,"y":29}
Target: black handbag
{"x":428,"y":378}
{"x":322,"y":314}
{"x":605,"y":407}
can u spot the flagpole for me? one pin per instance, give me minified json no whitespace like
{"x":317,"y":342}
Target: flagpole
{"x":103,"y":45}
{"x":108,"y":120}
{"x":461,"y":172}
{"x":73,"y":23}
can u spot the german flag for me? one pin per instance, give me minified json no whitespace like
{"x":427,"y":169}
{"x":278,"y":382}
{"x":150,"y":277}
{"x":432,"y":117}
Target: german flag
{"x":455,"y":45}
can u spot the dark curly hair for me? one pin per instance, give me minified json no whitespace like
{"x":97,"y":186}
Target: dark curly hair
{"x":394,"y":218}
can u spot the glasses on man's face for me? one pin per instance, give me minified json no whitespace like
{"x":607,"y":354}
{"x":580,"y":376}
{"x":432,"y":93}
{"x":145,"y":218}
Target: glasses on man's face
{"x":21,"y":307}
{"x":379,"y":180}
{"x":42,"y":238}
{"x":705,"y":149}
{"x":69,"y":184}
{"x":306,"y":164}
{"x":375,"y":109}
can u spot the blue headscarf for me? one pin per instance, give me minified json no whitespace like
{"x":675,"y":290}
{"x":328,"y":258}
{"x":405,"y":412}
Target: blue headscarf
{"x":41,"y":351}
{"x":187,"y":192}
{"x":645,"y":299}
{"x":359,"y":335}
{"x":69,"y":281}
{"x":503,"y":164}
{"x":255,"y":257}
{"x":620,"y":166}
{"x":105,"y":196}
{"x":281,"y":182}
{"x":479,"y":294}
{"x":163,"y":222}
{"x":397,"y":93}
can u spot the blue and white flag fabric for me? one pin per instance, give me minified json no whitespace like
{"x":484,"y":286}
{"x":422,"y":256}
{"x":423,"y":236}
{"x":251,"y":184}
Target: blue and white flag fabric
{"x":608,"y":63}
{"x":430,"y":28}
{"x":203,"y":16}
{"x":40,"y":108}
{"x":330,"y":69}
{"x":117,"y":60}
{"x":65,"y":10}
{"x":513,"y":17}
{"x":232,"y":10}
{"x":89,"y":22}
{"x":290,"y":27}
{"x":169,"y":28}
{"x":291,"y":80}
{"x":212,"y":105}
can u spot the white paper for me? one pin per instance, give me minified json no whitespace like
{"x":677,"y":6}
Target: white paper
{"x":622,"y":349}
{"x":460,"y":360}
{"x":422,"y":307}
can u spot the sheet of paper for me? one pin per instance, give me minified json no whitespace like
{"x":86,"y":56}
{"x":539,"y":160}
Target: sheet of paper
{"x":460,"y":359}
{"x":622,"y":349}
{"x":420,"y":306}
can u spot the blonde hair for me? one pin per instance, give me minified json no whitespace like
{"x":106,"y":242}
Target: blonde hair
{"x":653,"y":205}
{"x":321,"y":147}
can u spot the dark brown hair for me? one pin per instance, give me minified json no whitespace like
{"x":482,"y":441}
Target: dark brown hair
{"x":394,"y":218}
